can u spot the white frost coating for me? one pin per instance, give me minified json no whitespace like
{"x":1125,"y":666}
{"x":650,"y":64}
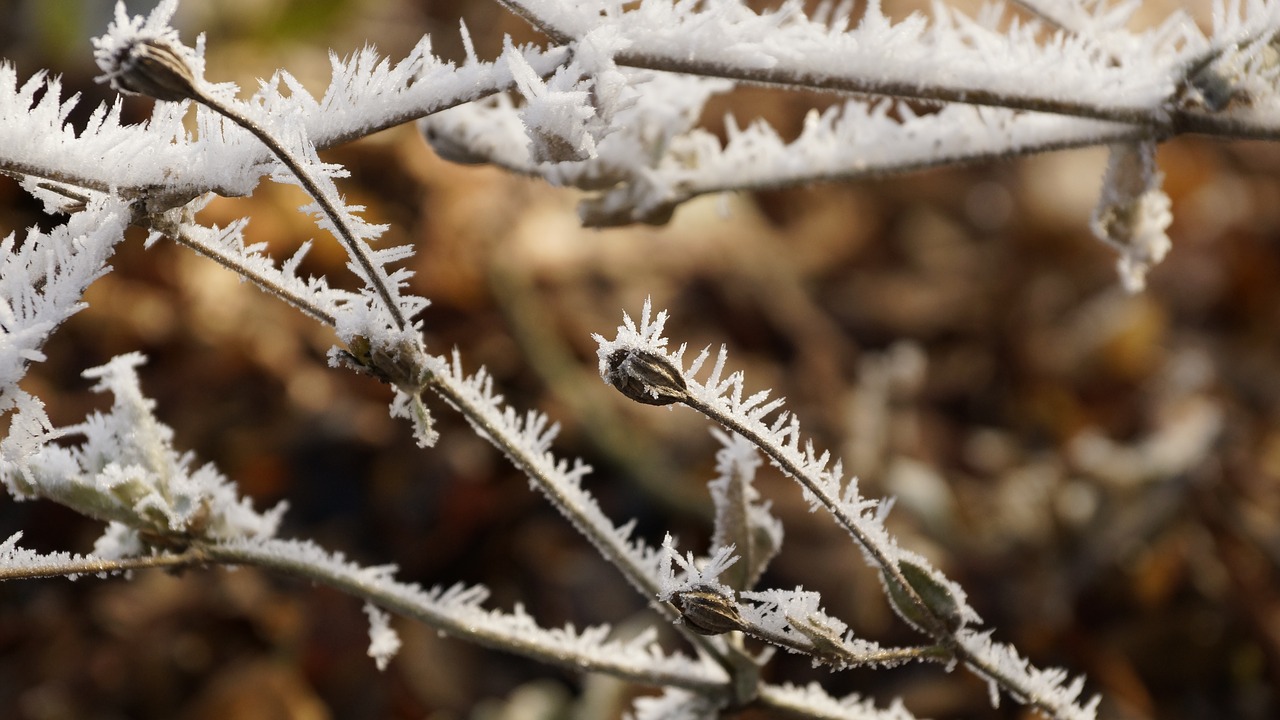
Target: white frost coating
{"x":458,"y":610}
{"x":226,"y":246}
{"x":43,"y":280}
{"x":488,"y":130}
{"x":366,"y":92}
{"x":20,"y":559}
{"x":1133,"y":213}
{"x":676,"y":704}
{"x":124,"y":32}
{"x":863,"y":139}
{"x":784,"y":42}
{"x":526,"y":440}
{"x":556,"y":113}
{"x":693,"y":575}
{"x":125,"y":469}
{"x":812,"y":701}
{"x":1050,"y":687}
{"x":384,"y":643}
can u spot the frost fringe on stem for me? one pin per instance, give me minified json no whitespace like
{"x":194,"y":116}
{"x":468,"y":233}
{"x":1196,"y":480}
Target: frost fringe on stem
{"x":638,"y":363}
{"x":127,"y":473}
{"x":612,"y":107}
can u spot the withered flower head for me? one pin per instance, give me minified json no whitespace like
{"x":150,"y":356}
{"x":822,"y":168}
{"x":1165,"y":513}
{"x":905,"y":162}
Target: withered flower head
{"x":707,"y":611}
{"x":645,"y":377}
{"x":155,"y":68}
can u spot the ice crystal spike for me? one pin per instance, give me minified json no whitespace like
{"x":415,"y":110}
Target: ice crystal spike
{"x":645,"y":377}
{"x":154,"y":68}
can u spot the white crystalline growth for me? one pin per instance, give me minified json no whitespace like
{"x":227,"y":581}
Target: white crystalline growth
{"x":125,"y":470}
{"x":384,"y":643}
{"x":1133,"y":215}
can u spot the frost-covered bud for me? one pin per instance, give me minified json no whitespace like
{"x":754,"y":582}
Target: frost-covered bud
{"x":936,"y":597}
{"x":707,"y":611}
{"x":154,"y":68}
{"x":645,"y":377}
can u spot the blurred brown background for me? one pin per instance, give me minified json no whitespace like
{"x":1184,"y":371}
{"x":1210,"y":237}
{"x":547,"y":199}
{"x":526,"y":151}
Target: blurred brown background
{"x":1098,"y":470}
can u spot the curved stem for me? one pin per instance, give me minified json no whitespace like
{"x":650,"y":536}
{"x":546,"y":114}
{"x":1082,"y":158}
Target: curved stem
{"x":355,"y":246}
{"x":546,"y":476}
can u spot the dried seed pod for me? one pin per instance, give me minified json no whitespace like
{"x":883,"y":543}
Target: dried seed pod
{"x":646,"y":377}
{"x":707,"y":611}
{"x":154,"y":68}
{"x":936,"y":596}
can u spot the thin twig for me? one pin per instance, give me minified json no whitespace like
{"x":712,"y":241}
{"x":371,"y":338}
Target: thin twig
{"x":97,"y":566}
{"x":354,"y":245}
{"x":179,"y":235}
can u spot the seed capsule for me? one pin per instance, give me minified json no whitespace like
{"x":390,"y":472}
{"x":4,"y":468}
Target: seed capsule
{"x":156,"y":69}
{"x":708,"y":612}
{"x":646,"y":377}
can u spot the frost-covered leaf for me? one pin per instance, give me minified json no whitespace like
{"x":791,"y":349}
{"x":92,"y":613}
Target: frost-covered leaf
{"x":125,"y":470}
{"x":42,"y":281}
{"x":742,"y":519}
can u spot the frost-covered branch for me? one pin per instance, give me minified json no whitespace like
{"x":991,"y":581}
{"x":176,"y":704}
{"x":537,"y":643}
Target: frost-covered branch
{"x":984,"y":65}
{"x":146,"y":57}
{"x":18,"y":563}
{"x":638,"y":364}
{"x":126,"y":472}
{"x":526,"y":443}
{"x":457,"y":611}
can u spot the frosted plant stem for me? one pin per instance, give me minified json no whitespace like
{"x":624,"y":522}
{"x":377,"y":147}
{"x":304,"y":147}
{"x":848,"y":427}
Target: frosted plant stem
{"x":354,"y":245}
{"x":697,"y":186}
{"x":830,"y":82}
{"x":934,"y":625}
{"x":846,"y":85}
{"x":402,"y":600}
{"x":230,"y":262}
{"x":100,"y":566}
{"x":605,"y":540}
{"x":406,"y":600}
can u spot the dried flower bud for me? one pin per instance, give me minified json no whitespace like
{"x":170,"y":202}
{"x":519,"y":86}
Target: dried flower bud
{"x":936,"y":596}
{"x":154,"y":68}
{"x":646,"y":377}
{"x":399,"y":365}
{"x":707,"y":611}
